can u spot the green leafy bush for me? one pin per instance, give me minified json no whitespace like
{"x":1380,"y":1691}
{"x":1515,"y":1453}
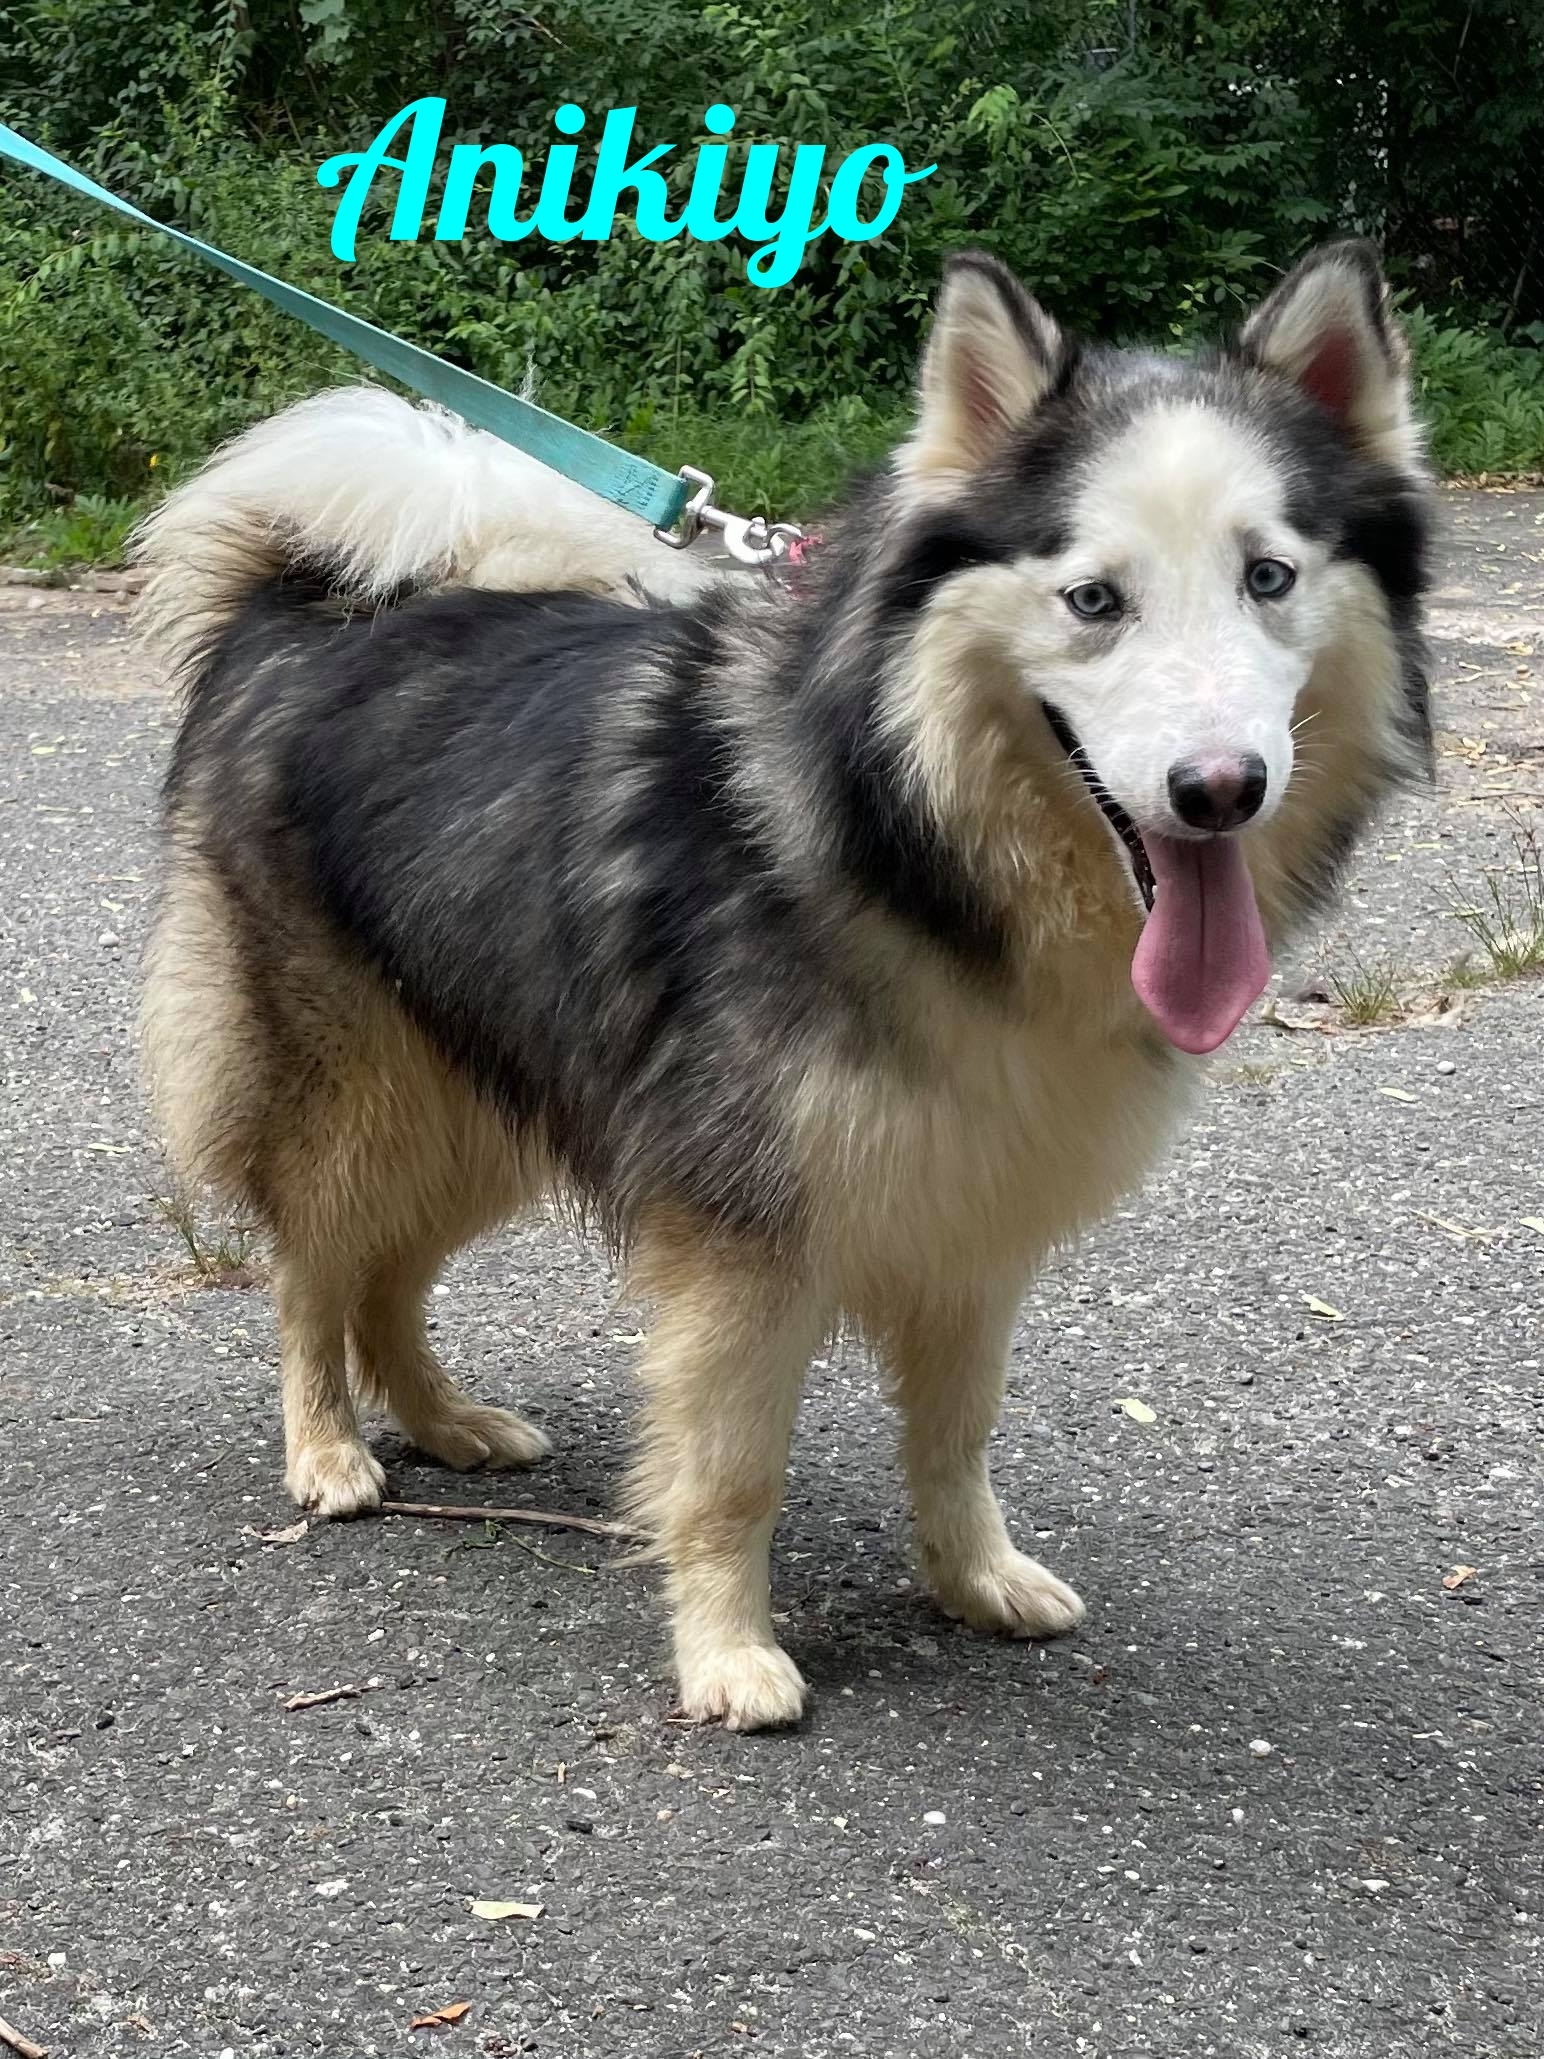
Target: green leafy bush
{"x":1147,"y":170}
{"x":1483,"y":398}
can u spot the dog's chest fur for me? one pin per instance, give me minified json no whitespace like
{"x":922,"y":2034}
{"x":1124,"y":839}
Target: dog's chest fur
{"x":1018,"y":1122}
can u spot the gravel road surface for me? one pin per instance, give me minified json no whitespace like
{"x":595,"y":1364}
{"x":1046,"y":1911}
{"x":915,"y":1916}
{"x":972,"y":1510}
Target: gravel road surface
{"x":1281,"y":1794}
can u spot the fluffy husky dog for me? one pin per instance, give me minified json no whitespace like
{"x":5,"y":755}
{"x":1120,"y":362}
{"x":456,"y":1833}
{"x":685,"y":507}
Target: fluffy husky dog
{"x":840,"y":942}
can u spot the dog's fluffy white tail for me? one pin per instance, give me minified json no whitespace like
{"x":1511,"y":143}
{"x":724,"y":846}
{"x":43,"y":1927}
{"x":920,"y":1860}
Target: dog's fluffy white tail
{"x":382,"y":494}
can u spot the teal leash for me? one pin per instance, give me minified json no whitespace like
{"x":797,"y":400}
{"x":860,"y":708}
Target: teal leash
{"x":678,"y":505}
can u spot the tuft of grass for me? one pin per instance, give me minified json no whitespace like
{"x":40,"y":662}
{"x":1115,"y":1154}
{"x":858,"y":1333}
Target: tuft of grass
{"x":1251,"y":1074}
{"x":222,"y":1259}
{"x":1461,"y":975}
{"x":88,"y":529}
{"x":1367,"y":992}
{"x":1508,"y":924}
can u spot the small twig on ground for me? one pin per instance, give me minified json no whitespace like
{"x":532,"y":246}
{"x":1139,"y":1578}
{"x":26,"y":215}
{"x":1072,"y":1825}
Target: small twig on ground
{"x":550,"y":1519}
{"x":10,"y":2035}
{"x":349,"y":1692}
{"x":535,"y":1552}
{"x":487,"y":1542}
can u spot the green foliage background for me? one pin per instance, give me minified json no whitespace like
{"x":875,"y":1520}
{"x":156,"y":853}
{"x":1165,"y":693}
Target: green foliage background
{"x":1147,"y":166}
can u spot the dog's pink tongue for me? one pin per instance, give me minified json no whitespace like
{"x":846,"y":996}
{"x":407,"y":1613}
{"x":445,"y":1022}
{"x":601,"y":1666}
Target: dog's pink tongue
{"x":1202,"y":959}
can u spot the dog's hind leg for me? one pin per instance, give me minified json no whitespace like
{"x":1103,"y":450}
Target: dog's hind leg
{"x":948,"y":1358}
{"x":723,"y":1369}
{"x":327,"y":1466}
{"x":396,"y":1367}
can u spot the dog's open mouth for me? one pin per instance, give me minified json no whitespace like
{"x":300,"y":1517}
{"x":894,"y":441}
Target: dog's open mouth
{"x":1109,"y":807}
{"x":1202,"y":960}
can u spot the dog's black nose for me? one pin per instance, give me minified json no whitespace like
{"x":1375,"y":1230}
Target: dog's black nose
{"x":1217,"y":793}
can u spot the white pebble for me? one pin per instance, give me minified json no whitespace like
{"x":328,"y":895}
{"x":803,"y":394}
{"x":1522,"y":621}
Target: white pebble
{"x":1237,"y":1815}
{"x":110,"y":939}
{"x":1260,"y":1748}
{"x":329,"y":1890}
{"x":441,"y":1292}
{"x":1375,"y":1887}
{"x":1446,"y":1066}
{"x":934,"y":1816}
{"x":56,"y":1960}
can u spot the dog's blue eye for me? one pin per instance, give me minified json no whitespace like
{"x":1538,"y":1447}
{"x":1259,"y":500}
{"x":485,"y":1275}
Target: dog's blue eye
{"x":1092,"y":599}
{"x":1268,"y":579}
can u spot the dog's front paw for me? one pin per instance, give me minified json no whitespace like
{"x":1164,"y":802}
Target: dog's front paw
{"x":1012,"y":1594}
{"x":474,"y":1435}
{"x":340,"y":1479}
{"x":742,"y":1686}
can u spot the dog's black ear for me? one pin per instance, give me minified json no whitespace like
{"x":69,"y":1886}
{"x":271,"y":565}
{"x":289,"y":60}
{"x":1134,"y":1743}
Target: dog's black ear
{"x":1330,"y":329}
{"x":993,"y":355}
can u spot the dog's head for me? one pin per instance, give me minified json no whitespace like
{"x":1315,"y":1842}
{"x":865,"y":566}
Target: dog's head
{"x":1164,"y":555}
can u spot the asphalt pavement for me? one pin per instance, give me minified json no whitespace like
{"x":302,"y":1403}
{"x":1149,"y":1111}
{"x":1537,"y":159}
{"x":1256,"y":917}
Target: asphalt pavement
{"x":1281,"y":1794}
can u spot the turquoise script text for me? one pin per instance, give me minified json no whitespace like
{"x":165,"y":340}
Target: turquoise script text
{"x":781,"y":239}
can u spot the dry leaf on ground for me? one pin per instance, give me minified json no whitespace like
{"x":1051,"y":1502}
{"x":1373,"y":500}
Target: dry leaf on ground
{"x":1458,"y":1576}
{"x":291,"y":1535}
{"x":1315,"y":1016}
{"x":501,"y":1912}
{"x":451,"y":2013}
{"x":1138,"y":1411}
{"x":1323,"y":1309}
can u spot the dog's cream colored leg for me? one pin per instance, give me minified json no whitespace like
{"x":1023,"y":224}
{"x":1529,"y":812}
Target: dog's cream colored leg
{"x":723,"y":1370}
{"x":949,"y":1362}
{"x":395,"y":1365}
{"x":327,"y":1466}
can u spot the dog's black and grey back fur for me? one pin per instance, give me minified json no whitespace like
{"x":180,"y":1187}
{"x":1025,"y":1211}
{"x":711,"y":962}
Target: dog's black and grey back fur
{"x":520,"y":810}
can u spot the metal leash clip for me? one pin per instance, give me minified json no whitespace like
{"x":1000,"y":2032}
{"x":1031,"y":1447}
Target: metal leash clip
{"x":749,"y":539}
